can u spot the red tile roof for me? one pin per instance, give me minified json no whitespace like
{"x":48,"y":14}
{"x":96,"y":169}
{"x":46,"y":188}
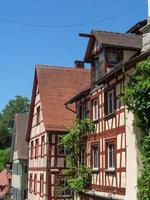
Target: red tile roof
{"x":56,"y":86}
{"x":4,"y":178}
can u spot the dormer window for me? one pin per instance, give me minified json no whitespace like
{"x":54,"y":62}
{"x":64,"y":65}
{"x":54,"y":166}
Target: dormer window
{"x":114,"y":56}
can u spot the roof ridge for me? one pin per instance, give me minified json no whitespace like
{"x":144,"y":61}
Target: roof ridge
{"x":59,"y":67}
{"x":119,"y":33}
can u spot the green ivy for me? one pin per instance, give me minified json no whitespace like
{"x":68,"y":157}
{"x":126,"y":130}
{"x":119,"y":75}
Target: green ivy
{"x":137,"y":99}
{"x":78,"y":175}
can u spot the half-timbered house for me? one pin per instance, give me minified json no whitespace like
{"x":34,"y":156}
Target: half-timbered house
{"x":111,"y":152}
{"x":48,"y":121}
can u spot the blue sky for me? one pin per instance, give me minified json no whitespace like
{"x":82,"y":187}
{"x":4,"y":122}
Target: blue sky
{"x":21,"y":47}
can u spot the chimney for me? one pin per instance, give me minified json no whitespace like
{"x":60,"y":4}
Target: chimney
{"x":79,"y":64}
{"x":146,"y":33}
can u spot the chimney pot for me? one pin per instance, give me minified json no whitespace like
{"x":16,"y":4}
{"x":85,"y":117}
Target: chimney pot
{"x":79,"y":64}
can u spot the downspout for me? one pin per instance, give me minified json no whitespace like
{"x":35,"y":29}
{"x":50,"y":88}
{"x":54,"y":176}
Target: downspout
{"x":66,"y":106}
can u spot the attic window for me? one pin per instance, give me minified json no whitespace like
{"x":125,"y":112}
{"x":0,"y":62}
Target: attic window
{"x":114,"y":56}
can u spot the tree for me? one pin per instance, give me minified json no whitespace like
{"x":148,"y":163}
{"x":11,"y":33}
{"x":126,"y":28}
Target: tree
{"x":137,"y":99}
{"x":78,"y":176}
{"x":5,"y":137}
{"x":4,"y":158}
{"x":18,"y":105}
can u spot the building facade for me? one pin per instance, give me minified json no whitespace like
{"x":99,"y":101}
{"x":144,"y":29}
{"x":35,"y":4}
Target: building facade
{"x":48,"y":121}
{"x":111,"y":152}
{"x":19,"y":158}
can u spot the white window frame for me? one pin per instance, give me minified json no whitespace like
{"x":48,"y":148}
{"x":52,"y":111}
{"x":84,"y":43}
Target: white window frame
{"x":93,"y":157}
{"x":112,"y":166}
{"x":95,"y":109}
{"x":110,"y":109}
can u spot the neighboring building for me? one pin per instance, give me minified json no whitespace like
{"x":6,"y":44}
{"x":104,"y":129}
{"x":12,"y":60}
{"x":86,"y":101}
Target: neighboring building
{"x":111,"y":152}
{"x":48,"y":121}
{"x":19,"y":158}
{"x":5,"y":178}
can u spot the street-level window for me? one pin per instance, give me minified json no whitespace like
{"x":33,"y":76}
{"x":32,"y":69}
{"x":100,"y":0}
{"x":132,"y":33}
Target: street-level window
{"x":41,"y":184}
{"x":35,"y":183}
{"x":30,"y":183}
{"x":62,"y":187}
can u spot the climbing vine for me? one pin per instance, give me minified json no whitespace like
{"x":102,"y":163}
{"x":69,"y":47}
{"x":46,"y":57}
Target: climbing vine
{"x":78,"y":176}
{"x":137,"y":99}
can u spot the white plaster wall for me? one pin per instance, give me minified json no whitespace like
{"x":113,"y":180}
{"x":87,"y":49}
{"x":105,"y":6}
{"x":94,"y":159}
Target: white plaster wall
{"x":131,"y":168}
{"x":16,"y":179}
{"x":127,"y":55}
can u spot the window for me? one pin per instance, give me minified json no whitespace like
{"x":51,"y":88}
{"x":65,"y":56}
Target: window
{"x":95,"y":109}
{"x":63,"y":187}
{"x":81,"y":111}
{"x":41,"y":184}
{"x":31,"y":149}
{"x":114,"y":57}
{"x":42,"y":145}
{"x":83,"y":155}
{"x":36,"y":147}
{"x":95,"y":157}
{"x":30,"y":183}
{"x":98,"y":65}
{"x":110,"y":156}
{"x":60,"y":148}
{"x":110,"y":102}
{"x":38,"y":114}
{"x":35,"y":183}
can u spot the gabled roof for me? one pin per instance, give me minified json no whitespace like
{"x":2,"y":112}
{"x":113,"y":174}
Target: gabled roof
{"x":136,"y":28}
{"x":112,"y":39}
{"x":19,"y":142}
{"x":57,"y":85}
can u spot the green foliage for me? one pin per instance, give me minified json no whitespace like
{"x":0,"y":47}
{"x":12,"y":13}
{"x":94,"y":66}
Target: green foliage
{"x":5,"y":136}
{"x":18,"y":105}
{"x":137,"y":93}
{"x":4,"y":158}
{"x":82,"y":179}
{"x":137,"y":99}
{"x":78,"y":175}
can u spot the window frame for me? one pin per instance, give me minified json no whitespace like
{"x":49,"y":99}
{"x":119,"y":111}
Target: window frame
{"x":38,"y":115}
{"x":32,"y":149}
{"x":30,"y":182}
{"x":41,"y":184}
{"x":60,"y":146}
{"x":36,"y":148}
{"x":35,"y":183}
{"x":95,"y":109}
{"x":119,"y":56}
{"x":93,"y":167}
{"x":109,"y":111}
{"x":114,"y":162}
{"x":42,"y":145}
{"x":58,"y":178}
{"x":83,"y":155}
